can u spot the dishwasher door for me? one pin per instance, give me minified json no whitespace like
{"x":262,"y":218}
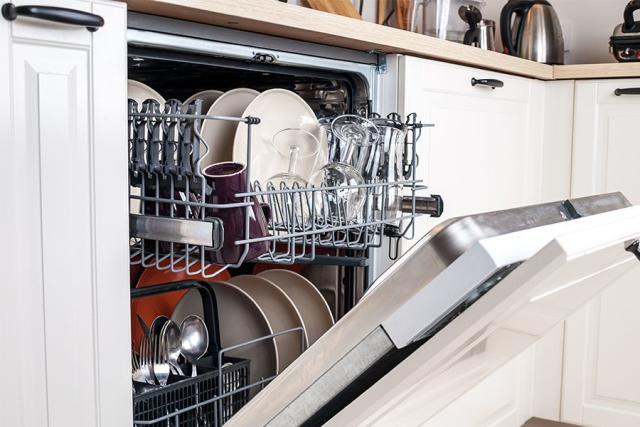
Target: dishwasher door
{"x":410,"y":335}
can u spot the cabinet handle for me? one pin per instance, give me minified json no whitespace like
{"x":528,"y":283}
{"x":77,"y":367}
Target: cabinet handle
{"x":492,"y":83}
{"x":627,"y":91}
{"x":56,"y":14}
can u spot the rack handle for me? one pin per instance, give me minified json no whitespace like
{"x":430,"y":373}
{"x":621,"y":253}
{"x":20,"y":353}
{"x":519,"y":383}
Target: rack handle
{"x":627,"y":91}
{"x":492,"y":83}
{"x":52,"y":13}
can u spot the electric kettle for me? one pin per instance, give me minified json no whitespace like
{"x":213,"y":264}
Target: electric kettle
{"x":534,"y":33}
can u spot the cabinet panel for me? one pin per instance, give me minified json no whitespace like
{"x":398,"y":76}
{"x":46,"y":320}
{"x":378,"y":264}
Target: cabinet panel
{"x":602,"y":341}
{"x":51,"y":99}
{"x":501,"y":400}
{"x":59,"y":269}
{"x":605,"y":150}
{"x":485,"y":152}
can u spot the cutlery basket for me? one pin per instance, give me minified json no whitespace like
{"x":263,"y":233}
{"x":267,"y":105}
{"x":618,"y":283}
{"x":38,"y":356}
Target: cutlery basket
{"x":175,"y":224}
{"x":209,"y":306}
{"x":199,"y":401}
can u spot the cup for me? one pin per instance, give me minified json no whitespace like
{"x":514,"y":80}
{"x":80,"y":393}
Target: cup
{"x":228,"y":179}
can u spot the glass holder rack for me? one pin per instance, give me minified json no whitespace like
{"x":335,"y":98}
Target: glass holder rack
{"x":175,"y":223}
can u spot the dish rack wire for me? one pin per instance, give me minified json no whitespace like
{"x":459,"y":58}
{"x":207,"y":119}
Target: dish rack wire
{"x":173,"y":224}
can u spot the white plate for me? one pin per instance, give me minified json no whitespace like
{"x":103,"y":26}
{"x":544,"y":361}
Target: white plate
{"x":208,"y":98}
{"x":219,"y":134}
{"x":241,"y":320}
{"x":277,"y":109}
{"x":309,"y":301}
{"x":140,"y":92}
{"x":281,"y":312}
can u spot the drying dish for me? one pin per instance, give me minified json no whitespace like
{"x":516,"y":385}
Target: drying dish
{"x":219,"y":134}
{"x":208,"y":97}
{"x":241,"y":320}
{"x":140,"y":92}
{"x":309,"y":301}
{"x":277,"y":109}
{"x":163,"y":304}
{"x":281,"y":312}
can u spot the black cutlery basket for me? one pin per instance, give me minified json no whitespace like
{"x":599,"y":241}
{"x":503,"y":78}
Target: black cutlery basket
{"x":197,"y":401}
{"x":208,"y":399}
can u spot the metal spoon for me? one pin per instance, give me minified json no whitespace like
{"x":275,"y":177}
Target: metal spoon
{"x":194,"y":338}
{"x":170,"y":338}
{"x":195,"y":342}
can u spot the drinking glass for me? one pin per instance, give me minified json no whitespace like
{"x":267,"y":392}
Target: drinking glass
{"x":295,"y":144}
{"x":352,"y":135}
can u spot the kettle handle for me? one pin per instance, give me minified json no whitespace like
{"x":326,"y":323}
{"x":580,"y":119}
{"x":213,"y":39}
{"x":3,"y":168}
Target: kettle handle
{"x":631,"y":26}
{"x":513,"y":6}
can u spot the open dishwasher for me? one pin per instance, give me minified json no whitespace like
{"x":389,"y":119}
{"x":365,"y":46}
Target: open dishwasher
{"x":194,"y":230}
{"x":443,"y":306}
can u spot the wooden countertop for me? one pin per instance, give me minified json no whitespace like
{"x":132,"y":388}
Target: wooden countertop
{"x":596,"y":71}
{"x":295,"y":22}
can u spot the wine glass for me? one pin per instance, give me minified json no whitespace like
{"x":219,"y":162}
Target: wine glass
{"x":341,"y":199}
{"x":295,"y":144}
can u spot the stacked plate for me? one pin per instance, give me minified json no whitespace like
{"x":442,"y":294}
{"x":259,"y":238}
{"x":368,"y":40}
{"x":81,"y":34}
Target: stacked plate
{"x":251,"y":307}
{"x":277,"y":109}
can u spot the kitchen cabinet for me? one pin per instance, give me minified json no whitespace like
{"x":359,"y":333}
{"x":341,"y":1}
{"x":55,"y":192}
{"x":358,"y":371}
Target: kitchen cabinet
{"x":64,"y":220}
{"x":490,"y":148}
{"x":602,"y":341}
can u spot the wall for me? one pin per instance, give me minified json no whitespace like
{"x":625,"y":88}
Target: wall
{"x":587,"y":24}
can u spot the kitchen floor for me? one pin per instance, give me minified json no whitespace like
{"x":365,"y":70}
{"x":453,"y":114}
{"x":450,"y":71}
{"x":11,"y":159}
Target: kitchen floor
{"x":539,"y":422}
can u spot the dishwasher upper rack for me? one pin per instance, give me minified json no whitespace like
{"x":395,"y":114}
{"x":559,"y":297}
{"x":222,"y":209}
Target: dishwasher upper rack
{"x":171,"y":224}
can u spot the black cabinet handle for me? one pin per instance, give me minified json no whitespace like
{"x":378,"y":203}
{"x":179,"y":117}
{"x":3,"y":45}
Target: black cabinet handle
{"x":56,"y":14}
{"x":627,"y":91}
{"x":492,"y":83}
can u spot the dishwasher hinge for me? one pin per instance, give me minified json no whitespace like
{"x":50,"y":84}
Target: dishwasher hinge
{"x":381,"y":61}
{"x":264,"y":58}
{"x":634,"y":248}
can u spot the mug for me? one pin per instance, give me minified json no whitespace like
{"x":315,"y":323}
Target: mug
{"x":228,"y":179}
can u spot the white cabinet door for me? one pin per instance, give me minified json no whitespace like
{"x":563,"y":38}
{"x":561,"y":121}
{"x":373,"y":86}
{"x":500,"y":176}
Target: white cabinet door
{"x":486,"y":151}
{"x":64,"y":221}
{"x":602,"y":341}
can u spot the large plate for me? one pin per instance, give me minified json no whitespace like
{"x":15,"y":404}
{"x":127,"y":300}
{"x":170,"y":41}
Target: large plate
{"x":241,"y":319}
{"x":162,"y":304}
{"x":219,"y":134}
{"x":140,"y":92}
{"x":208,"y":97}
{"x":281,"y":312}
{"x":277,"y":109}
{"x":309,"y":301}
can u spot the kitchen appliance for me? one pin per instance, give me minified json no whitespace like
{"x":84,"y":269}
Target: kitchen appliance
{"x":625,"y":40}
{"x":439,"y":18}
{"x":531,"y":29}
{"x":482,"y":35}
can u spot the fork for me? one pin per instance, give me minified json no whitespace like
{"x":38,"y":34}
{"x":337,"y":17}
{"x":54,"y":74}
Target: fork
{"x":161,"y":366}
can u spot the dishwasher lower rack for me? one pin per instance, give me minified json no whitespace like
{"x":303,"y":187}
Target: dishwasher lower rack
{"x":197,"y":401}
{"x":176,"y":218}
